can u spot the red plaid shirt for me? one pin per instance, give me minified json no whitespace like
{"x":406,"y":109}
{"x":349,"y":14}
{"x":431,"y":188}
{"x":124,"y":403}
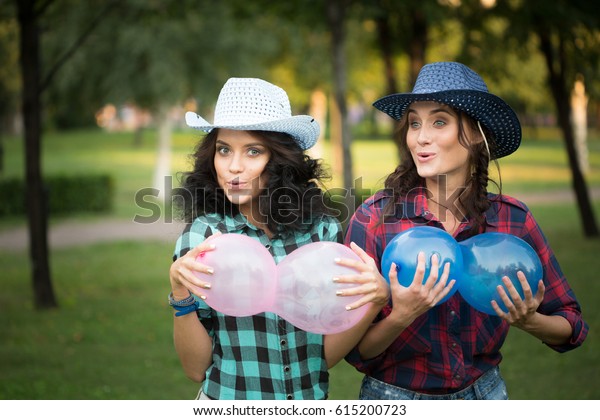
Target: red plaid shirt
{"x":452,"y":345}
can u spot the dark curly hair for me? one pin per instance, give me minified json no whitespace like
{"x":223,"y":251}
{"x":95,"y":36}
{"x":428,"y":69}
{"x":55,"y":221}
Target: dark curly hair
{"x":291,"y":199}
{"x":473,"y":201}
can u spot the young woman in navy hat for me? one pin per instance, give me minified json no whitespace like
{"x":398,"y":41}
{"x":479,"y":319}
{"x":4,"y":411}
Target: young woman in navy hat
{"x":422,"y":346}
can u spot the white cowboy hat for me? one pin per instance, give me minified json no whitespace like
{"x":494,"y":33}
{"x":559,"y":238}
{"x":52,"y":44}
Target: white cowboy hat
{"x":254,"y":104}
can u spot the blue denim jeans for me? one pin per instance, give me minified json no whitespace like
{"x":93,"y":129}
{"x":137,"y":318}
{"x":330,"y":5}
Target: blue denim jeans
{"x":490,"y":386}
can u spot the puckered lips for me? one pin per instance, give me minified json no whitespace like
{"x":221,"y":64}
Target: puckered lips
{"x":423,"y":157}
{"x":237,"y":185}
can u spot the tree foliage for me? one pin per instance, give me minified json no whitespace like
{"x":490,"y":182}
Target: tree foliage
{"x":566,"y":35}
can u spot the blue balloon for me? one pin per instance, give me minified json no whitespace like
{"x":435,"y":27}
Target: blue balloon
{"x":404,"y":248}
{"x":490,"y":256}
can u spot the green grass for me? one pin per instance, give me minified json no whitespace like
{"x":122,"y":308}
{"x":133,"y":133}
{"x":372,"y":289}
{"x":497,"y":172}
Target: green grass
{"x":111,"y":338}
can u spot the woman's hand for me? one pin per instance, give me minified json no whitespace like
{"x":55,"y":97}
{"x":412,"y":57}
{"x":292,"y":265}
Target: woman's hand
{"x":371,"y":289}
{"x":520,"y":311}
{"x":370,"y":283}
{"x":181,"y":274}
{"x":416,"y":299}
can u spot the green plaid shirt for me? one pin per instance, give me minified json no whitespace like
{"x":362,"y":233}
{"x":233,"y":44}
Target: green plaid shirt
{"x":261,"y":356}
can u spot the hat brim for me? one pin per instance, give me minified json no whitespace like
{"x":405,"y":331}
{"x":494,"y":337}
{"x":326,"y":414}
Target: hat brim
{"x":303,"y":128}
{"x":489,"y":109}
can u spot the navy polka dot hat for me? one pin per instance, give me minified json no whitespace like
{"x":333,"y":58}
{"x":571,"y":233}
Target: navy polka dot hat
{"x":456,"y":85}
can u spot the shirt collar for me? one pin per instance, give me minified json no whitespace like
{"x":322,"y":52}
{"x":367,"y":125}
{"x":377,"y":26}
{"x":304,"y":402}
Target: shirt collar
{"x":240,"y":224}
{"x":231,"y":224}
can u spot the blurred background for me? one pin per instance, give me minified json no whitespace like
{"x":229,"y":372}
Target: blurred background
{"x":92,"y":141}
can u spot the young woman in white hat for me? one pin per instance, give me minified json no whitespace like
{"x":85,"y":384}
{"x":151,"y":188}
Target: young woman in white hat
{"x":252,"y":177}
{"x":422,"y":346}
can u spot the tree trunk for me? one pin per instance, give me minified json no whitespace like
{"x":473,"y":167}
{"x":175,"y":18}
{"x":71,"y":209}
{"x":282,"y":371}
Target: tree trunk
{"x":138,"y":137}
{"x":37,"y":210}
{"x":336,"y":17}
{"x":579,"y":102}
{"x":1,"y":153}
{"x":386,"y":42}
{"x":163,"y":159}
{"x":417,"y":45}
{"x":558,"y":87}
{"x":335,"y":138}
{"x":318,"y":109}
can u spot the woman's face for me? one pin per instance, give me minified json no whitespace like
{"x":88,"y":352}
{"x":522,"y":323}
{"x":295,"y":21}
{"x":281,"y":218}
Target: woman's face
{"x":240,"y":160}
{"x":432,"y":139}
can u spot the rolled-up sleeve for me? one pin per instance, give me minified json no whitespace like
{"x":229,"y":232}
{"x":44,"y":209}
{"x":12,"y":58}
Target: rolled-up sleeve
{"x":559,"y":298}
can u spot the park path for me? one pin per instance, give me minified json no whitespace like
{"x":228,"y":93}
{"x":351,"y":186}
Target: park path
{"x":81,"y":232}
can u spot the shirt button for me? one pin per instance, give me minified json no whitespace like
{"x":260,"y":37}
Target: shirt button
{"x":452,"y":313}
{"x":453,"y":344}
{"x":283,"y":342}
{"x":457,"y":377}
{"x":286,"y":369}
{"x":289,"y":397}
{"x":268,"y":246}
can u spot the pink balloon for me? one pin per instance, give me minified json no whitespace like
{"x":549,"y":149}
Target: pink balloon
{"x":306,"y":293}
{"x":245,"y":274}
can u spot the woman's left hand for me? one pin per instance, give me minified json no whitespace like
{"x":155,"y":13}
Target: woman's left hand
{"x":370,"y":283}
{"x":520,"y":311}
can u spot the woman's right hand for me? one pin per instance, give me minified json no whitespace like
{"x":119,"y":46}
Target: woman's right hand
{"x":416,"y":299}
{"x":181,"y":274}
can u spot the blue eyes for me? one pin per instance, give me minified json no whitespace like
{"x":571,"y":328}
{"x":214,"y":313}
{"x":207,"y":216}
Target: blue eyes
{"x":224,"y":150}
{"x":437,"y":123}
